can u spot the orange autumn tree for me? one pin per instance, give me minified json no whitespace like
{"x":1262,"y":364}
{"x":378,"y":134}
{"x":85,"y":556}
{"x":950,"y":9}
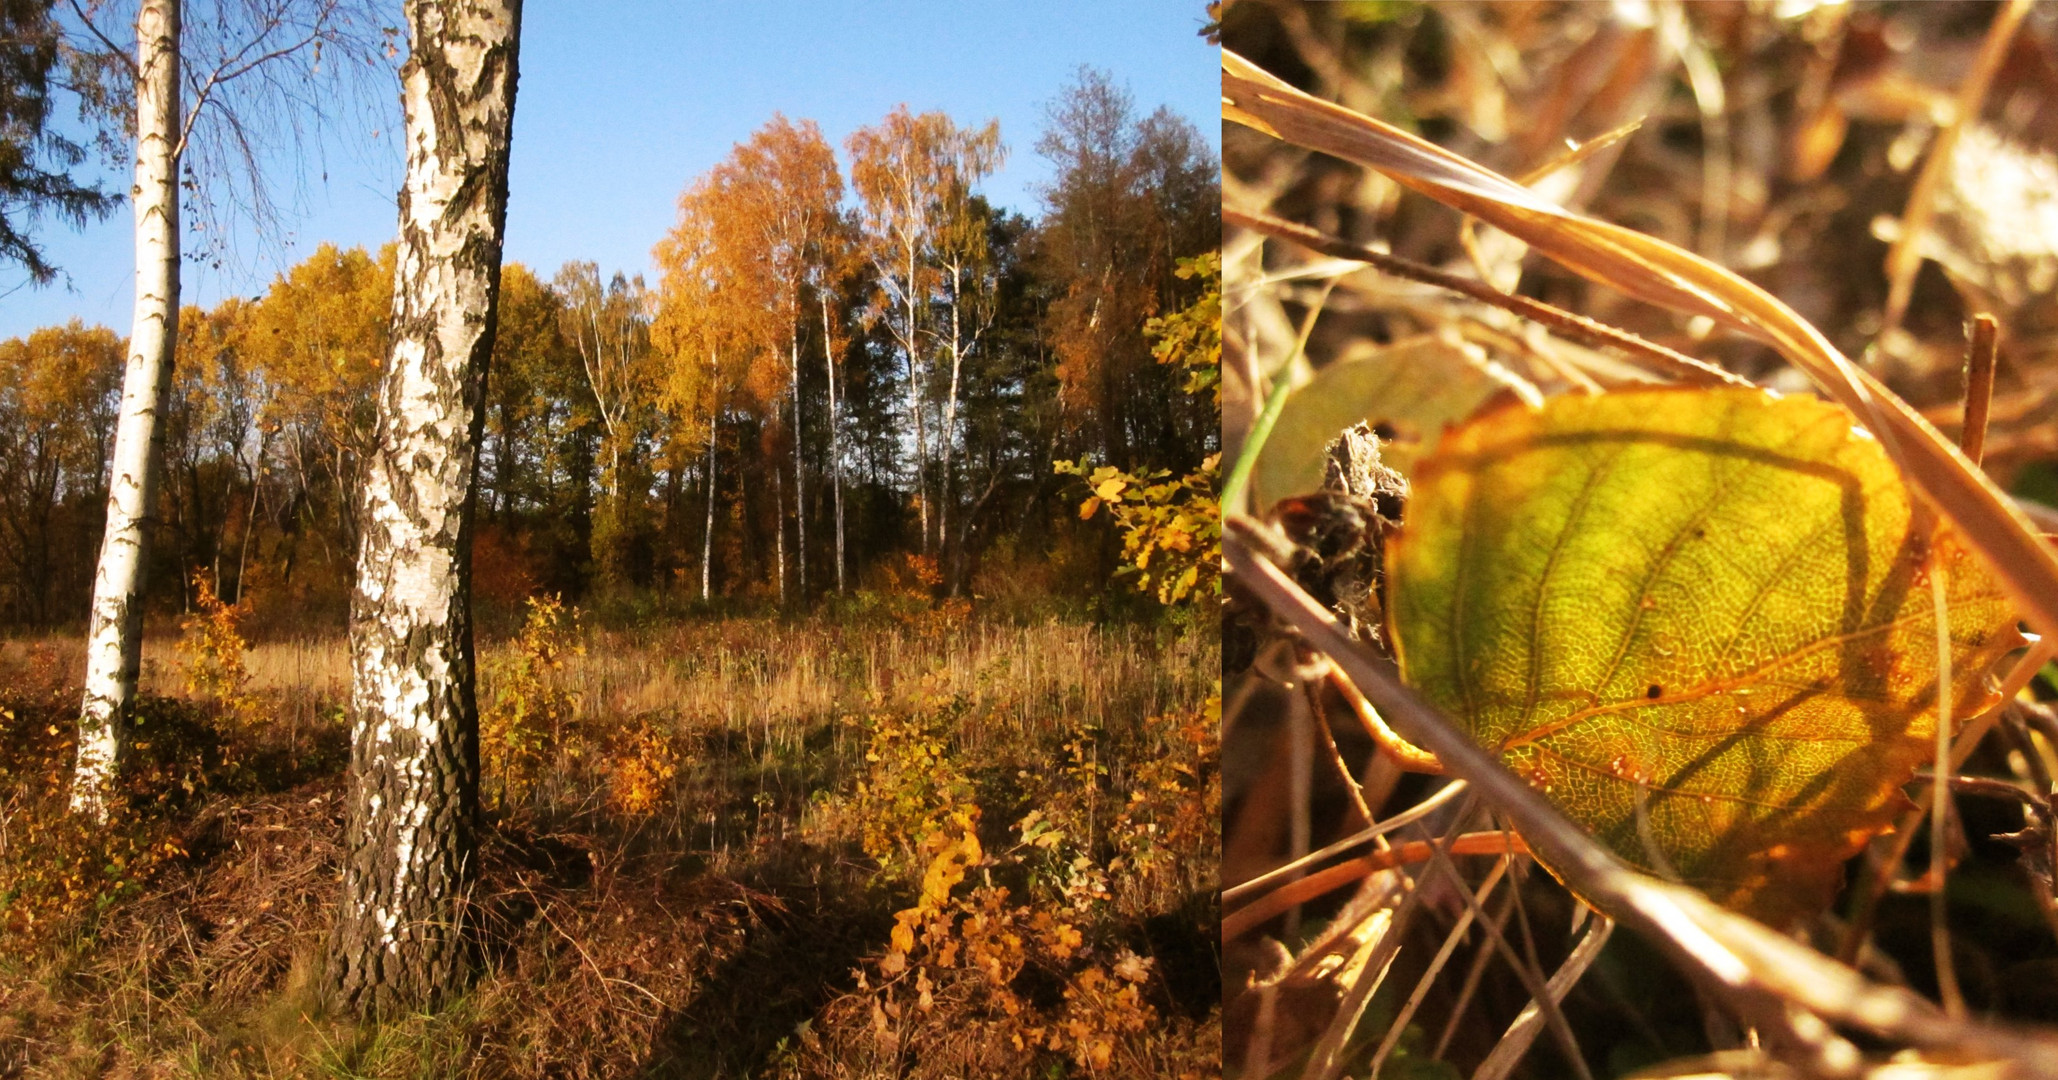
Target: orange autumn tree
{"x":783,"y":188}
{"x":59,"y":388}
{"x":607,"y":322}
{"x":696,"y":334}
{"x":762,"y":223}
{"x":318,"y":339}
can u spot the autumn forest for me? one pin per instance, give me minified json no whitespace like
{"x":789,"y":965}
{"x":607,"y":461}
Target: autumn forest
{"x":846,"y":361}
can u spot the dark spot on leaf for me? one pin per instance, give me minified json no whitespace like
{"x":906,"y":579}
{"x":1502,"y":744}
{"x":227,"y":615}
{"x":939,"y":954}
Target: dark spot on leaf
{"x":1655,"y":691}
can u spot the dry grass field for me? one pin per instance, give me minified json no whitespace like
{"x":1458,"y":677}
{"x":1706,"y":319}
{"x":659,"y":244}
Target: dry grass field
{"x":935,"y":844}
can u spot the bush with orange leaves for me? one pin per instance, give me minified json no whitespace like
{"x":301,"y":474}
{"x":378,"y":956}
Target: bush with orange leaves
{"x":60,"y":871}
{"x":531,"y":716}
{"x":639,"y":770}
{"x":213,"y":649}
{"x":978,"y":977}
{"x":534,"y":733}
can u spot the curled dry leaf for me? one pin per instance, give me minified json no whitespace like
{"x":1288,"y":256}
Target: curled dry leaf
{"x":1700,"y":621}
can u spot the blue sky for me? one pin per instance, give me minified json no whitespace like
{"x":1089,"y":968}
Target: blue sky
{"x":622,"y":103}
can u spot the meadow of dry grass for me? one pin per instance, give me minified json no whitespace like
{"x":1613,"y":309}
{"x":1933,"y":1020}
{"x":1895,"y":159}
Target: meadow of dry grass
{"x":700,"y":834}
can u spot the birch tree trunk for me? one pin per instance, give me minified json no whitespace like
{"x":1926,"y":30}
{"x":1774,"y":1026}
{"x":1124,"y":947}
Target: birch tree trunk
{"x":835,"y":447}
{"x":912,"y":344}
{"x":779,"y":528}
{"x":410,"y":849}
{"x":707,"y":538}
{"x":948,"y":436}
{"x":114,"y":638}
{"x":799,"y":496}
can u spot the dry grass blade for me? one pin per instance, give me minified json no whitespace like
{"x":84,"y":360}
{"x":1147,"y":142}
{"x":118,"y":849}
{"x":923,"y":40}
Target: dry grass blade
{"x":1765,"y":977}
{"x":1577,"y":327}
{"x":1522,"y":1033}
{"x":1657,"y":272}
{"x":1395,"y":1030}
{"x":1360,"y":980}
{"x":1301,"y":890}
{"x":1979,"y":384}
{"x":1413,"y":814}
{"x":1905,"y":257}
{"x":1940,"y":811}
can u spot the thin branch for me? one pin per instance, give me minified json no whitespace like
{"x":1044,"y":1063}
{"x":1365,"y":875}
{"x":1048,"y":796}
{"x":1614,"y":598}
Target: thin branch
{"x":1979,"y":384}
{"x":1480,"y":959}
{"x":1508,"y":1053}
{"x":1411,"y":815}
{"x":202,"y":96}
{"x":1351,"y":787}
{"x":1237,"y":923}
{"x":1577,"y":327}
{"x":1409,"y":756}
{"x":1527,"y":967}
{"x":1395,"y":1030}
{"x":1905,"y":257}
{"x":113,"y":50}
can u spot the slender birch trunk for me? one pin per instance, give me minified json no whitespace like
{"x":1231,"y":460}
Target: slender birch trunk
{"x":410,"y":846}
{"x":114,"y":638}
{"x":779,"y":528}
{"x":948,"y":436}
{"x":915,"y":403}
{"x":835,"y":444}
{"x":799,"y":496}
{"x":707,"y":538}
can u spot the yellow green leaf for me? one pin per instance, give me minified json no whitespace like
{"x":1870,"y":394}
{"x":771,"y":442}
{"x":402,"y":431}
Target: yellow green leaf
{"x":1701,"y":621}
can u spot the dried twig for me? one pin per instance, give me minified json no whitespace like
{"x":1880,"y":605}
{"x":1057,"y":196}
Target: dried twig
{"x":1443,"y":956}
{"x":1412,"y":814}
{"x":1243,"y":920}
{"x":1979,"y":384}
{"x":1508,"y":1053}
{"x":1577,"y":327}
{"x":1905,"y":256}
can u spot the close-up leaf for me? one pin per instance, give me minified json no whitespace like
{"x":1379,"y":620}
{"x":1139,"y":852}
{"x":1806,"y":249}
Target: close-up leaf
{"x":1701,"y":621}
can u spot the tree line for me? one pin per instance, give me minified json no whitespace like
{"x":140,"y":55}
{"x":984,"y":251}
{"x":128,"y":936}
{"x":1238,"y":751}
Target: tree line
{"x":826,"y":374}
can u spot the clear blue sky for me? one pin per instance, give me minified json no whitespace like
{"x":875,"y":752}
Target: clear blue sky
{"x":622,"y":103}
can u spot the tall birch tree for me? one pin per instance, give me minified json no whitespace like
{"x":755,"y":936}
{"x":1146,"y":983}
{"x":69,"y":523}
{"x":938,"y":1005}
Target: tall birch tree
{"x":233,"y":97}
{"x":783,"y":187}
{"x":411,"y":847}
{"x":692,"y":330}
{"x":114,"y":636}
{"x":913,"y":175}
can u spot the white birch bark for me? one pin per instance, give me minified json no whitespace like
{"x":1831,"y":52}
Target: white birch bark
{"x":948,"y":436}
{"x":835,"y":444}
{"x":707,"y":537}
{"x":911,"y":343}
{"x":114,"y":638}
{"x":779,"y":528}
{"x":410,"y":856}
{"x":799,"y":491}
